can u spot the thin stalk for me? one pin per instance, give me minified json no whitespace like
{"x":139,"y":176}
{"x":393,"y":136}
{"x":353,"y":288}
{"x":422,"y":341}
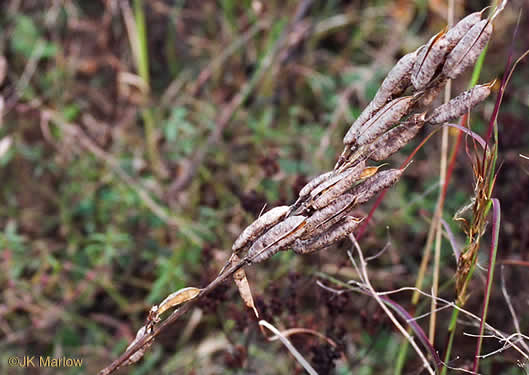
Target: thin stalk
{"x":138,"y":41}
{"x":444,"y":187}
{"x":496,"y":219}
{"x":439,"y":212}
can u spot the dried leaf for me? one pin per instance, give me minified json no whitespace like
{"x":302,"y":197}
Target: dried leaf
{"x":243,"y":286}
{"x":145,"y":330}
{"x":259,"y":226}
{"x":277,"y":238}
{"x":176,"y":298}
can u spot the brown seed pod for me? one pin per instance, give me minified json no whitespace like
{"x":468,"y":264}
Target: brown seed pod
{"x":370,"y":187}
{"x":305,"y":191}
{"x":340,"y":186}
{"x":431,"y":93}
{"x":349,"y":173}
{"x":461,"y":104}
{"x":467,"y":50}
{"x":393,"y":140}
{"x":277,"y":238}
{"x":329,"y":215}
{"x":352,"y":133}
{"x":454,"y":35}
{"x":388,"y":116}
{"x":397,"y":80}
{"x":261,"y":224}
{"x":341,"y":230}
{"x":429,"y":60}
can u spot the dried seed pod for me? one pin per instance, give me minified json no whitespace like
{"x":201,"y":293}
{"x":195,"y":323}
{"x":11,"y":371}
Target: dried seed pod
{"x":467,"y":50}
{"x":397,"y":80}
{"x":277,"y":238}
{"x":454,"y":35}
{"x":461,"y":104}
{"x":261,"y":224}
{"x":429,"y":60}
{"x":396,"y":138}
{"x":329,"y":215}
{"x":432,"y":92}
{"x":370,"y":187}
{"x":348,"y":178}
{"x":352,"y":133}
{"x":350,"y":173}
{"x":341,"y":230}
{"x":305,"y":191}
{"x":391,"y":141}
{"x":388,"y":116}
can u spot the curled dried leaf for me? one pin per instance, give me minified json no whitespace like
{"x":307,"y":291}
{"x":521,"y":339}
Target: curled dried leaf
{"x":461,"y":104}
{"x":338,"y":232}
{"x":143,"y":331}
{"x":374,"y":184}
{"x":175,"y":299}
{"x":260,"y":225}
{"x":277,"y":238}
{"x":243,"y":286}
{"x":396,"y":138}
{"x":388,"y":116}
{"x":468,"y":49}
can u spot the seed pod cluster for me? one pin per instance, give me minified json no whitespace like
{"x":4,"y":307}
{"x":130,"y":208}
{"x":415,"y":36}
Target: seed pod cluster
{"x":390,"y":121}
{"x":321,"y":214}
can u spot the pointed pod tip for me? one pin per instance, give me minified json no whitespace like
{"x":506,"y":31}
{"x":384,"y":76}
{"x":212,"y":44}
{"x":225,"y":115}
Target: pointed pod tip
{"x":494,"y":85}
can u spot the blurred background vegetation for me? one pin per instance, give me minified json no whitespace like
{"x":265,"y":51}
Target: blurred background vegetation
{"x":137,"y":139}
